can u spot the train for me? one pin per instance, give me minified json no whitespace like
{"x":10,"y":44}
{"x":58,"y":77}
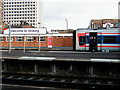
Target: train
{"x":93,"y":40}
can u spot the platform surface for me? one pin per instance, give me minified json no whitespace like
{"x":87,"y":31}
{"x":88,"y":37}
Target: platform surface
{"x":59,"y":55}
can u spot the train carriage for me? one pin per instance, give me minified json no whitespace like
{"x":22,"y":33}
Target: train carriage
{"x":98,"y":40}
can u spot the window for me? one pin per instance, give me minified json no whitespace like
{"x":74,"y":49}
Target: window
{"x":118,"y":39}
{"x":87,"y":39}
{"x":19,"y":39}
{"x":65,"y":36}
{"x":59,"y":36}
{"x":41,"y":39}
{"x":29,"y":38}
{"x":71,"y":36}
{"x":1,"y":39}
{"x":81,"y":40}
{"x":11,"y":39}
{"x":109,"y":39}
{"x":99,"y":39}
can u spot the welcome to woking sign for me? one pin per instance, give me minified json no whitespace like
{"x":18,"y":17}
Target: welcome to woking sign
{"x":25,"y":31}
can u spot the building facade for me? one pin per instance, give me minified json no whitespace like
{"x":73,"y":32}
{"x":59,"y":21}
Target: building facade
{"x":104,"y":23}
{"x":0,"y":16}
{"x":30,"y":11}
{"x":62,"y":31}
{"x":52,"y":41}
{"x":119,"y":10}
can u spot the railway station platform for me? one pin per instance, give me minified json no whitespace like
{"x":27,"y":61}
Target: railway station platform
{"x":64,"y":63}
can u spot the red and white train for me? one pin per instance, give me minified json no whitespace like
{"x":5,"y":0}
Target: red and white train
{"x":97,"y":40}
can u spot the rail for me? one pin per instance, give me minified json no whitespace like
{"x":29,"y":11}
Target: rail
{"x":76,"y":82}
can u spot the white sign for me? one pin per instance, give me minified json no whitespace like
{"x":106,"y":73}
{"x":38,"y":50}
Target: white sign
{"x":26,"y":31}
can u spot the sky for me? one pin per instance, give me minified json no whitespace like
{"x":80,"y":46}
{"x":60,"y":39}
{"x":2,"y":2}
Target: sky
{"x":77,"y":12}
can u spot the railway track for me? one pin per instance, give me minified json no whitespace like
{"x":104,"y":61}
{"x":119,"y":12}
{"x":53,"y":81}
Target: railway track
{"x":76,"y":82}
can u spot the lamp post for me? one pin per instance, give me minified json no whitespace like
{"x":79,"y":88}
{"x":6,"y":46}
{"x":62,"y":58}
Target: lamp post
{"x":66,"y":24}
{"x":0,"y":20}
{"x":24,"y":38}
{"x":39,"y":38}
{"x":39,"y":43}
{"x":9,"y":38}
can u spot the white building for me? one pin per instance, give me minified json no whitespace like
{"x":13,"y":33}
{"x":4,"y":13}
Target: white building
{"x":0,"y":16}
{"x":119,"y":14}
{"x":30,"y":11}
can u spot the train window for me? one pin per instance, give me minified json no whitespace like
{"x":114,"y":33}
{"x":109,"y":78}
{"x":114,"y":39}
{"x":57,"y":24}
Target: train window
{"x":19,"y":39}
{"x":118,"y":39}
{"x":1,"y":38}
{"x":99,"y":39}
{"x":29,"y":38}
{"x":81,"y":40}
{"x":109,"y":39}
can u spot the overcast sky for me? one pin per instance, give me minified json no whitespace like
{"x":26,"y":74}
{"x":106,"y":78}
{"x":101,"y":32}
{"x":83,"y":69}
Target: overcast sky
{"x":77,"y":12}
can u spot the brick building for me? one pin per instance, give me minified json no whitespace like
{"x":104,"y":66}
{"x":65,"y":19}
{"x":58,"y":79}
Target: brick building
{"x":62,"y":31}
{"x":57,"y":41}
{"x":102,"y":23}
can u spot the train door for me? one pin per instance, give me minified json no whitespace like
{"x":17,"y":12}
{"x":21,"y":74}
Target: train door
{"x":99,"y":41}
{"x":86,"y":40}
{"x":93,"y":41}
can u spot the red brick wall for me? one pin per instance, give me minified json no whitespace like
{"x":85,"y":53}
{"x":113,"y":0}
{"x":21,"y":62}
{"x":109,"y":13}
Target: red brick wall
{"x":21,"y":44}
{"x":62,"y":42}
{"x":56,"y":42}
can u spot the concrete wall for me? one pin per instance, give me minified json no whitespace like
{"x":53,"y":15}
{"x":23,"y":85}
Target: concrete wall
{"x":62,"y":68}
